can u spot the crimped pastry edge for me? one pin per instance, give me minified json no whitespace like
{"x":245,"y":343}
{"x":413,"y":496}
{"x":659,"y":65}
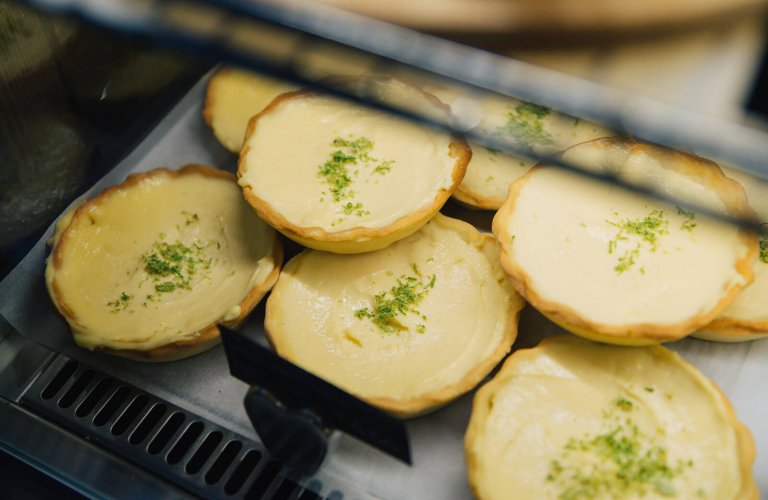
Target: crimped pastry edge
{"x":424,"y":403}
{"x":357,"y":239}
{"x":194,"y":342}
{"x":639,"y":333}
{"x":482,"y":404}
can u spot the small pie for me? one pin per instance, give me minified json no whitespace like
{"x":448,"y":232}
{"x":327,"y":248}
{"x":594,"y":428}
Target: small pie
{"x":340,"y":177}
{"x":150,"y":267}
{"x":614,"y":265}
{"x":578,"y":419}
{"x":529,"y":126}
{"x":233,"y":97}
{"x":747,"y":316}
{"x":407,"y":328}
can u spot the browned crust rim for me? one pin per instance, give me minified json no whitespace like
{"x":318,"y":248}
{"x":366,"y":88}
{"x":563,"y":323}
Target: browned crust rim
{"x":210,"y":99}
{"x":729,"y":329}
{"x":475,"y":200}
{"x":730,"y":192}
{"x":458,"y":149}
{"x":483,"y":403}
{"x":205,"y":335}
{"x":419,"y":405}
{"x":212,"y":96}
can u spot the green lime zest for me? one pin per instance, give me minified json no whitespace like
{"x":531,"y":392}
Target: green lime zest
{"x":120,"y":303}
{"x":644,"y":232}
{"x":338,"y":175}
{"x":401,"y":299}
{"x":623,"y":461}
{"x":526,"y":126}
{"x":171,"y":266}
{"x":689,"y":219}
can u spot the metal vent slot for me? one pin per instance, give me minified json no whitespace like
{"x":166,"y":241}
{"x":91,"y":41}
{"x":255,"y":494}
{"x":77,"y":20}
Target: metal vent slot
{"x":287,"y":490}
{"x":222,"y":462}
{"x":195,"y":454}
{"x":167,"y":431}
{"x":148,"y":423}
{"x":76,"y":389}
{"x":112,"y":405}
{"x":242,"y":471}
{"x":129,"y":415}
{"x":264,"y":481}
{"x":184,"y":443}
{"x":62,"y":377}
{"x":93,"y":398}
{"x":203,"y":453}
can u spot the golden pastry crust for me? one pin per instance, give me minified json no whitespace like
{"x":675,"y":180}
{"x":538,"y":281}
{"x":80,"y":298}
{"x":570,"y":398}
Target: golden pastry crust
{"x":356,"y":239}
{"x":705,"y":173}
{"x":232,"y":97}
{"x":483,"y":195}
{"x":187,"y":343}
{"x":734,"y":325}
{"x":526,"y":363}
{"x":280,"y":333}
{"x":533,"y":128}
{"x":726,"y":329}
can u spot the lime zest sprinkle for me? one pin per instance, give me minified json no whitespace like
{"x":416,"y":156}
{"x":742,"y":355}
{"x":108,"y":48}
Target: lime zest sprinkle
{"x":622,"y":461}
{"x":401,"y":299}
{"x":689,"y":221}
{"x":336,"y":172}
{"x":525,"y":125}
{"x":191,"y":218}
{"x":120,"y":303}
{"x":645,"y":233}
{"x":171,"y":266}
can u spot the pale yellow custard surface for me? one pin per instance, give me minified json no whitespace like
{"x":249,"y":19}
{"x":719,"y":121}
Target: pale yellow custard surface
{"x":601,"y":260}
{"x":233,"y":97}
{"x":322,"y":316}
{"x":576,"y":419}
{"x":747,"y":316}
{"x":160,"y":260}
{"x":322,"y":169}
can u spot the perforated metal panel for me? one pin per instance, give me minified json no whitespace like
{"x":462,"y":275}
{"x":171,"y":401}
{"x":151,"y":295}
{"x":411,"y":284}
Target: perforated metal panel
{"x":191,"y":452}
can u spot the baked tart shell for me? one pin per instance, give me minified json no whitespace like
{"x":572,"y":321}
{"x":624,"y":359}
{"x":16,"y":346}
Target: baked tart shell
{"x":405,"y":407}
{"x":514,"y":368}
{"x":190,"y":343}
{"x":356,"y":239}
{"x":638,"y":334}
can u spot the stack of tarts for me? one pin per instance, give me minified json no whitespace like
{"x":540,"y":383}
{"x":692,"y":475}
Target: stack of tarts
{"x":414,"y":286}
{"x":573,"y":418}
{"x":422,"y":311}
{"x":408,"y":309}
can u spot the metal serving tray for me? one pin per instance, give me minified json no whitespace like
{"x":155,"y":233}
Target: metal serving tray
{"x":202,"y":385}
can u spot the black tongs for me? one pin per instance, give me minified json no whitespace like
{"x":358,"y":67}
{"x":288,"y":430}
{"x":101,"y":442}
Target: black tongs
{"x":294,"y":412}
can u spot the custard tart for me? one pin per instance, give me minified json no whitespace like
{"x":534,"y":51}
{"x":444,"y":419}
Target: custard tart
{"x":618,"y":266}
{"x":577,"y":419}
{"x":747,"y":316}
{"x":336,"y":176}
{"x":150,"y":267}
{"x":234,"y":96}
{"x":531,"y":127}
{"x":407,"y":328}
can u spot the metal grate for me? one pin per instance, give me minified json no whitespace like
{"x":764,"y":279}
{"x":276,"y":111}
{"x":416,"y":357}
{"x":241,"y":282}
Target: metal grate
{"x":179,"y":446}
